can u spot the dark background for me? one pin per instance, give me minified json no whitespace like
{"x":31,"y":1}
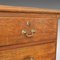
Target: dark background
{"x":52,"y":4}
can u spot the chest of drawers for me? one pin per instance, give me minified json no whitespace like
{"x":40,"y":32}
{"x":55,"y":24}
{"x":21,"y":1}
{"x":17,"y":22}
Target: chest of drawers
{"x":28,"y":33}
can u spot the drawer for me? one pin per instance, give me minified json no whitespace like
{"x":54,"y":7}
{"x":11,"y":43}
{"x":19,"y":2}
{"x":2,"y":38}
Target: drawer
{"x":38,"y":52}
{"x":24,"y":29}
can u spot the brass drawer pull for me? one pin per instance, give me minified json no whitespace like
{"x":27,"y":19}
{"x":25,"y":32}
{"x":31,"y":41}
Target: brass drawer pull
{"x":28,"y":34}
{"x":28,"y":23}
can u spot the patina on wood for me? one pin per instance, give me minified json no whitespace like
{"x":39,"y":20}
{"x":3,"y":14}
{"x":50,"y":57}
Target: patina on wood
{"x":16,"y":46}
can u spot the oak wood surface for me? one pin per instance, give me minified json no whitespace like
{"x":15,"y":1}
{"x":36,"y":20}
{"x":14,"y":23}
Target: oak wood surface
{"x":27,"y":9}
{"x":38,"y":52}
{"x":24,"y":14}
{"x":16,"y":46}
{"x":11,"y":28}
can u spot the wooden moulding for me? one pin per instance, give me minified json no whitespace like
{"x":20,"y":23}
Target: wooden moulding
{"x":26,"y":9}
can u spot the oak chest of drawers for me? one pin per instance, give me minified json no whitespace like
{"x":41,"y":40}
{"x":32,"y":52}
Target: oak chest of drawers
{"x":28,"y":33}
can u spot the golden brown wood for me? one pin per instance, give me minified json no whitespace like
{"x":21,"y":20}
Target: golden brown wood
{"x":27,"y":9}
{"x":16,"y":46}
{"x":24,"y":14}
{"x":11,"y":29}
{"x":38,"y":52}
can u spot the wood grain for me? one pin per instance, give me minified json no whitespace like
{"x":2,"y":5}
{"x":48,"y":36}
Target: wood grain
{"x":38,"y":52}
{"x":16,"y":46}
{"x":27,"y":9}
{"x":11,"y":29}
{"x":24,"y":14}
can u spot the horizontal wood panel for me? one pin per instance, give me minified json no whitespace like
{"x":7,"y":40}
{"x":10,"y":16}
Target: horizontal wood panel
{"x":27,"y":9}
{"x":22,"y":14}
{"x":14,"y":46}
{"x":11,"y":29}
{"x":38,"y":52}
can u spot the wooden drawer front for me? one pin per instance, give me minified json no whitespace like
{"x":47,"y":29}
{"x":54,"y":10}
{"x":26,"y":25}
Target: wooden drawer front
{"x":11,"y":29}
{"x":38,"y":52}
